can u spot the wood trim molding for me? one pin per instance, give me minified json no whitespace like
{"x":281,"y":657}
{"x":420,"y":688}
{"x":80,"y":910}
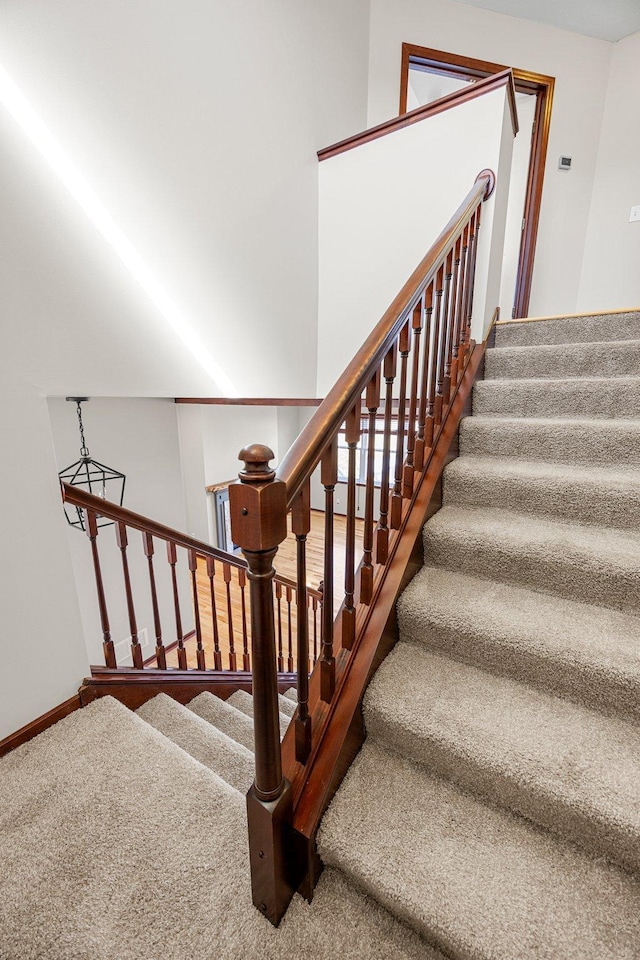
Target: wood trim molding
{"x":486,"y":85}
{"x":525,"y":82}
{"x":31,"y":730}
{"x":135,"y":687}
{"x":254,"y":401}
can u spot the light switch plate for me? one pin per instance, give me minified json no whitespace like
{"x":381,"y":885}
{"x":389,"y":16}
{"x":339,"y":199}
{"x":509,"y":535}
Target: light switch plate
{"x":635,"y":214}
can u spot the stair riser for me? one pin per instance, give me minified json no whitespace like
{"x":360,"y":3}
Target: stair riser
{"x":599,"y":690}
{"x":549,"y":362}
{"x":574,"y":575}
{"x":582,"y":503}
{"x":610,"y":444}
{"x":527,"y":798}
{"x":619,"y":326}
{"x":558,"y":398}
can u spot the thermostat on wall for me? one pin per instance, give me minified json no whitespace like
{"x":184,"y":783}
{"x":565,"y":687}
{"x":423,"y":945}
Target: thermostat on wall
{"x":564,"y":163}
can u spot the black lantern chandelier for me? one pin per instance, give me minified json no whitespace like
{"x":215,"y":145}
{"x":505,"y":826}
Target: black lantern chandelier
{"x":92,"y":476}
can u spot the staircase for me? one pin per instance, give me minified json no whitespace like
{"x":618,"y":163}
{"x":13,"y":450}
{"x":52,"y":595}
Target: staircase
{"x":495,"y":806}
{"x":494,"y":810}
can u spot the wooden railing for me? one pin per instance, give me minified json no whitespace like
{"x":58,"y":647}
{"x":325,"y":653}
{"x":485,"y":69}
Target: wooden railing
{"x":214,"y":581}
{"x":414,"y":361}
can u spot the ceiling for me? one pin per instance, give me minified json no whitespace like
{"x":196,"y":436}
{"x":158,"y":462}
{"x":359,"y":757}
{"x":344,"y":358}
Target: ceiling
{"x":606,"y":19}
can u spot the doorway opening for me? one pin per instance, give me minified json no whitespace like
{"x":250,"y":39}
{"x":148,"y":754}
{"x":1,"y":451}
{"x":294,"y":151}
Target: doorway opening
{"x":428,"y":74}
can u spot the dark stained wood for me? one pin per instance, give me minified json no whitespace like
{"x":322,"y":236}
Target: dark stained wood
{"x":488,"y":85}
{"x":416,"y":326}
{"x":424,"y":377}
{"x":259,"y":525}
{"x":217,"y":654}
{"x":372,"y":401}
{"x":542,"y":87}
{"x":31,"y":730}
{"x":305,"y":453}
{"x":161,"y":655}
{"x":172,"y":558}
{"x":301,"y":525}
{"x":404,"y":346}
{"x":336,"y":725}
{"x":382,"y":533}
{"x":254,"y":401}
{"x":122,"y":541}
{"x":133,"y":688}
{"x":352,"y":436}
{"x":91,"y":526}
{"x":328,"y":479}
{"x":193,"y":570}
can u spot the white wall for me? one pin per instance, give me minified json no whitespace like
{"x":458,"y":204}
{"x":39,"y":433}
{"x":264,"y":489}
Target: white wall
{"x":139,"y":437}
{"x":611,"y":268}
{"x":197,"y":126}
{"x":383,"y":204}
{"x":580,"y":66}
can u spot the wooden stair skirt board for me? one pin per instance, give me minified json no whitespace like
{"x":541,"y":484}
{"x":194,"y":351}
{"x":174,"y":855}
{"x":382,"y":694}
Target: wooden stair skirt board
{"x":135,"y":687}
{"x":343,"y":731}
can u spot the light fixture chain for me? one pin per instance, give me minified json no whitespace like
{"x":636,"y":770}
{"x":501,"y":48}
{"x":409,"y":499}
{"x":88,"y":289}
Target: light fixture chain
{"x":84,"y":450}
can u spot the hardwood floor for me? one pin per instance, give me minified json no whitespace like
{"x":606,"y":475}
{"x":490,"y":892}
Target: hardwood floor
{"x":233,"y":608}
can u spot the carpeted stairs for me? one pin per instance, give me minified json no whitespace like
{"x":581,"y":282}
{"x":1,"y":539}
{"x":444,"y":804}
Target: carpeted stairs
{"x":494,"y":810}
{"x":495,"y":805}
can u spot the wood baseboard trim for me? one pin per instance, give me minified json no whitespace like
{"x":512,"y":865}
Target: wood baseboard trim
{"x":31,"y":730}
{"x":570,"y":316}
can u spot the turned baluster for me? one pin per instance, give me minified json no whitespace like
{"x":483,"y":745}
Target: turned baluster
{"x":278,"y":587}
{"x":466,"y":293}
{"x":421,"y":437}
{"x":352,"y":436}
{"x":432,"y":396}
{"x":450,"y":318}
{"x":172,"y":557}
{"x":193,"y":570}
{"x":91,"y":526}
{"x":416,"y":326}
{"x":136,"y":649}
{"x":259,"y":524}
{"x":288,"y":593}
{"x":404,"y":343}
{"x":442,"y":343}
{"x":456,"y":364}
{"x":473,"y":251}
{"x":217,"y":653}
{"x":366,"y":571}
{"x":161,"y":655}
{"x":328,"y":478}
{"x":242,"y":582}
{"x":226,"y":575}
{"x":314,"y":606}
{"x":382,"y":533}
{"x":301,"y":525}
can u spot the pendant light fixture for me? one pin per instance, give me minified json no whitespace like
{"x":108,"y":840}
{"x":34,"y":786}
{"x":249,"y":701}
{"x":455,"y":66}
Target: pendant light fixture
{"x":92,"y":476}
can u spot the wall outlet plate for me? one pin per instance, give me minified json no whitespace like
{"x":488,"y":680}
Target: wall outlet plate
{"x":635,"y":214}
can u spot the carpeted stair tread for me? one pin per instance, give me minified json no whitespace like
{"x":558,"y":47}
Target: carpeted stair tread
{"x":590,"y":564}
{"x":551,"y":361}
{"x":476,"y":880}
{"x":580,"y":397}
{"x":203,"y":741}
{"x":116,"y":843}
{"x":555,"y":440}
{"x":587,"y":653}
{"x":291,"y":694}
{"x":567,"y":768}
{"x":601,"y":496}
{"x":286,"y":705}
{"x":581,"y":329}
{"x":243,"y":701}
{"x":225,"y":717}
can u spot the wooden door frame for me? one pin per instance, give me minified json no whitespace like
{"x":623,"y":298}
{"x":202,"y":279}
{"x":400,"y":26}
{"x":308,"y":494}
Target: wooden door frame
{"x":541,"y":86}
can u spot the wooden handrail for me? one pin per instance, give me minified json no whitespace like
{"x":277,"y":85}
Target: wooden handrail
{"x":306,"y":451}
{"x":87,"y":501}
{"x":455,"y":99}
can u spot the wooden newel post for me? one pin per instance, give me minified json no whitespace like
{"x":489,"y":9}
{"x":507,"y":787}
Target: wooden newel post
{"x":258,"y":525}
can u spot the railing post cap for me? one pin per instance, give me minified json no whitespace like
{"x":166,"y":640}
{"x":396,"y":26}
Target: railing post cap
{"x":256,"y":459}
{"x":491,"y":184}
